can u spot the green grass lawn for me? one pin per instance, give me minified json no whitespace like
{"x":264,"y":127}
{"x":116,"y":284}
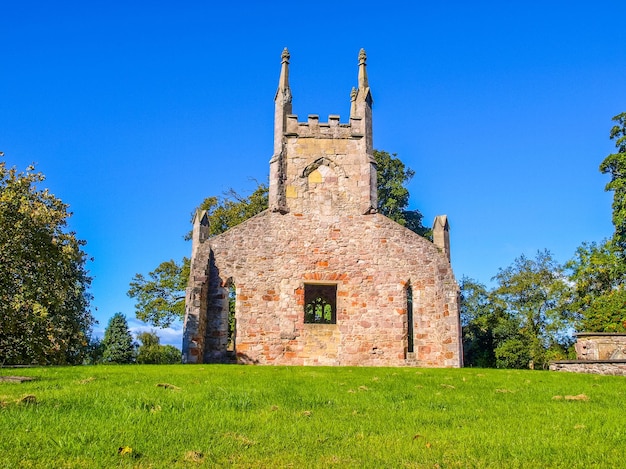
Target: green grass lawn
{"x":251,"y":416}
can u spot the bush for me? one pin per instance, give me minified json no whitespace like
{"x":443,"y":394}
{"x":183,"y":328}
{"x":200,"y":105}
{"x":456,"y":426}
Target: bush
{"x":513,"y":353}
{"x":151,"y":352}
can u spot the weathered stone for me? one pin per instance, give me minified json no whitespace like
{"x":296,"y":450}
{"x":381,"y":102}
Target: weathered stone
{"x":322,"y":233}
{"x":598,"y":367}
{"x":600,"y":346}
{"x":602,"y":353}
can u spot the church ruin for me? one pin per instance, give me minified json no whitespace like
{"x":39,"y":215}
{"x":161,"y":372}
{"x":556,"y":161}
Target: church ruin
{"x":320,"y":278}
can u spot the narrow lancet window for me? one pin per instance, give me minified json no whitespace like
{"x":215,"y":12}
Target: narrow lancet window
{"x":409,"y":318}
{"x":232,"y":325}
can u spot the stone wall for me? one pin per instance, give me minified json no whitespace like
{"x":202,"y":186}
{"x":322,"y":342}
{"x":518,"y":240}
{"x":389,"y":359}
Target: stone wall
{"x":599,"y":367}
{"x":370,"y":258}
{"x":600,"y":346}
{"x":601,"y":353}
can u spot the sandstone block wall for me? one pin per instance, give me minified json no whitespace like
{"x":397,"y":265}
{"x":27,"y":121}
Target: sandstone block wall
{"x":271,"y":257}
{"x":617,"y":368}
{"x":600,"y":346}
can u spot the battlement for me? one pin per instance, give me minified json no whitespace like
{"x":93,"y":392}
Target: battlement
{"x":313,"y":128}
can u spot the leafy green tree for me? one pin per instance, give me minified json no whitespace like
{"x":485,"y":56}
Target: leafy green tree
{"x":393,"y":196}
{"x":152,"y":352}
{"x":597,"y":273}
{"x":599,"y":270}
{"x":490,"y":332}
{"x":606,"y":313}
{"x":44,"y":298}
{"x":118,"y":342}
{"x":94,"y":352}
{"x":478,"y":320}
{"x":161,"y":297}
{"x":615,"y":166}
{"x":233,"y":209}
{"x":525,"y":320}
{"x":535,"y":293}
{"x":514,"y":353}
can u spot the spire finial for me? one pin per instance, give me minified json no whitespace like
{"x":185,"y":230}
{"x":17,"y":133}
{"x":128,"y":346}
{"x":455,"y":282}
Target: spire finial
{"x":362,"y":72}
{"x":283,"y":82}
{"x":362,"y":57}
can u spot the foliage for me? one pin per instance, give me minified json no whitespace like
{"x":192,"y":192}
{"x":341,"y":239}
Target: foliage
{"x":118,"y":342}
{"x":525,"y":320}
{"x":233,"y":209}
{"x":599,"y":270}
{"x":513,"y":353}
{"x":174,"y":416}
{"x":606,"y":313}
{"x":393,"y":196}
{"x":595,"y":270}
{"x":152,"y":352}
{"x":94,"y":352}
{"x":44,"y":299}
{"x":487,"y":327}
{"x":615,"y":166}
{"x":535,"y":292}
{"x":598,"y":273}
{"x":161,"y":297}
{"x":478,"y":320}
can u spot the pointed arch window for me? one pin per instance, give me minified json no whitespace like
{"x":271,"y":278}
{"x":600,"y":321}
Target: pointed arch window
{"x":320,"y":304}
{"x":409,"y":319}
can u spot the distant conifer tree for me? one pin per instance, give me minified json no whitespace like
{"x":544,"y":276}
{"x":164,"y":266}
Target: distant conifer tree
{"x":118,"y":342}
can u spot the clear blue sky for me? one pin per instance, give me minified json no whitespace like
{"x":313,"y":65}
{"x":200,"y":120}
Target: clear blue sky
{"x":136,"y":111}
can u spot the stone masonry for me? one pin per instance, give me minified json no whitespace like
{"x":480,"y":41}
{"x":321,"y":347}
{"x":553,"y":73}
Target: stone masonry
{"x":321,"y":278}
{"x":602,"y":353}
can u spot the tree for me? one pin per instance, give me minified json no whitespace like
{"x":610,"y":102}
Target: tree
{"x":233,"y":209}
{"x":525,"y":320}
{"x":161,"y":298}
{"x":535,"y":294}
{"x":118,"y":342}
{"x":599,"y":298}
{"x":393,"y":196}
{"x":606,"y":313}
{"x":615,"y":166}
{"x":152,"y":352}
{"x":44,"y":297}
{"x":491,"y":335}
{"x":478,"y":320}
{"x":93,"y":354}
{"x":599,"y":270}
{"x":476,"y":315}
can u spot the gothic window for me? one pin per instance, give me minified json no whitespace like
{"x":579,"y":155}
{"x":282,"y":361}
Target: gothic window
{"x":320,"y":304}
{"x":232,"y":302}
{"x":409,"y":318}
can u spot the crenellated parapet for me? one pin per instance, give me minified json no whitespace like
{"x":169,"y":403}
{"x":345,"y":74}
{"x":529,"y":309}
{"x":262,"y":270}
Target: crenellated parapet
{"x":313,"y":128}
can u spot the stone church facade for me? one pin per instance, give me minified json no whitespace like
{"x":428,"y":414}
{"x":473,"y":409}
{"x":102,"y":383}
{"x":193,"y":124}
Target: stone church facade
{"x":320,"y":278}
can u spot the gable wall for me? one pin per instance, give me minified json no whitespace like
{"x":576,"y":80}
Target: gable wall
{"x":371,"y":258}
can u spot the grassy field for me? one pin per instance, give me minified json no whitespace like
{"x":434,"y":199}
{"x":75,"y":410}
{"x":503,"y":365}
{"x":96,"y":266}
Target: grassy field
{"x":246,"y":416}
